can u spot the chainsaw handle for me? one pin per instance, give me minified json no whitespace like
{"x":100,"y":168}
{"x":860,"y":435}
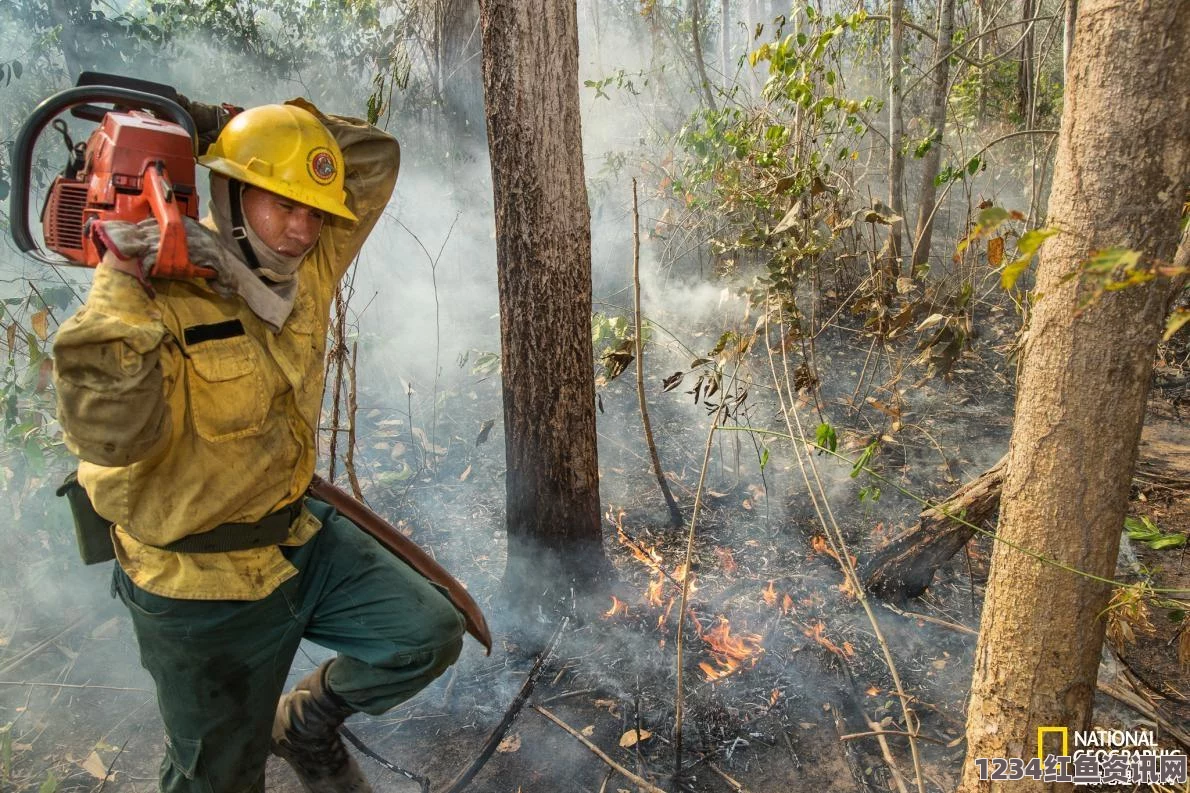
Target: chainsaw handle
{"x":22,"y":151}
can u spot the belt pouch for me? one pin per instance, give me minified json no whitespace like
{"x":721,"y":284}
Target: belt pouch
{"x":92,"y":531}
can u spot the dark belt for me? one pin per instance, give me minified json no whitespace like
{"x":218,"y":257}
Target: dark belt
{"x":272,"y":529}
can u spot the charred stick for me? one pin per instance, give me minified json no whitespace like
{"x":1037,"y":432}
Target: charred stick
{"x":675,"y":515}
{"x":687,"y":575}
{"x":640,"y":782}
{"x":464,"y":778}
{"x":567,"y":695}
{"x":391,"y":766}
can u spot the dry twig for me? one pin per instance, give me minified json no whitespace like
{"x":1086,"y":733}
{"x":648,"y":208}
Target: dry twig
{"x":636,"y":780}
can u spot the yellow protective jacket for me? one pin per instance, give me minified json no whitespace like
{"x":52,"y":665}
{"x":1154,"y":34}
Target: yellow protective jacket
{"x":183,"y":422}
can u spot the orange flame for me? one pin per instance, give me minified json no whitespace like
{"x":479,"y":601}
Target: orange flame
{"x":773,"y":697}
{"x":653,"y":593}
{"x":818,"y":543}
{"x":729,"y":652}
{"x":817,"y":632}
{"x":618,"y":607}
{"x":787,"y":604}
{"x":665,"y":615}
{"x":770,"y":595}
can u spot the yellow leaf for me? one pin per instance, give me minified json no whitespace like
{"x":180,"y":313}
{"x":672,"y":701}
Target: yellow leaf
{"x":631,"y":738}
{"x":995,"y":251}
{"x":40,"y":323}
{"x":588,"y":731}
{"x":94,"y":766}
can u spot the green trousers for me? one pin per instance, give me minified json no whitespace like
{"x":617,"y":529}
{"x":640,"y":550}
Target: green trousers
{"x":220,"y":666}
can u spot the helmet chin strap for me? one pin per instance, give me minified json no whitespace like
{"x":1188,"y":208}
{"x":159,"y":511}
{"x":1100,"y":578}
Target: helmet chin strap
{"x":239,"y":231}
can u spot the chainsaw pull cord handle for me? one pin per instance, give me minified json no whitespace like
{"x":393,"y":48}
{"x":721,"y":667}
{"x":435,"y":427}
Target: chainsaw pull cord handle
{"x":43,"y":114}
{"x":76,"y":152}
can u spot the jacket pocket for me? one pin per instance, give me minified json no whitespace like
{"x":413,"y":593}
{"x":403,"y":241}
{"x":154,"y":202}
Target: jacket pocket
{"x":228,"y":398}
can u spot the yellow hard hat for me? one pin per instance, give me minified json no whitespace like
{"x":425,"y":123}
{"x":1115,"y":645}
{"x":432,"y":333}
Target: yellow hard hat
{"x":285,"y":150}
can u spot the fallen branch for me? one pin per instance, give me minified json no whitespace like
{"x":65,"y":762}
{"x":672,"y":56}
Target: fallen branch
{"x":640,"y":782}
{"x":464,"y":778}
{"x":905,"y":566}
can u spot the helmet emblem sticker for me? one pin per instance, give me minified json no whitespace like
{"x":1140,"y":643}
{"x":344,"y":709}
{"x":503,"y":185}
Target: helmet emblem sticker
{"x":321,"y":165}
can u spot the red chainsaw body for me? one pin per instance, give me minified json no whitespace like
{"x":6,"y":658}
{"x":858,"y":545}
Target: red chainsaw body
{"x":135,"y":167}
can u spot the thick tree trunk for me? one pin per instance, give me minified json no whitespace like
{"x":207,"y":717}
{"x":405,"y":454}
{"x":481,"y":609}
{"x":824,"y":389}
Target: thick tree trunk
{"x":543,"y":255}
{"x":896,"y":131}
{"x":1120,"y":178}
{"x":937,"y":121}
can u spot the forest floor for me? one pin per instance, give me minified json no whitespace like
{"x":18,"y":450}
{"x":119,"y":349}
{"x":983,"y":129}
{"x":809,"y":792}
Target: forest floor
{"x":784,"y":678}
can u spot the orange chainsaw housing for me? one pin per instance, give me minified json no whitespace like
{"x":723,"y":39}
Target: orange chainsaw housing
{"x":135,"y":167}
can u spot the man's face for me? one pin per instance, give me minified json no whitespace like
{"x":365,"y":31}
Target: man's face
{"x":287,"y":227}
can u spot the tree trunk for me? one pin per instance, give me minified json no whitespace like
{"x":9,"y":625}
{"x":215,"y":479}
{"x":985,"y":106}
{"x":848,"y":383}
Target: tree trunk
{"x":896,"y":131}
{"x":1068,"y":20}
{"x":725,"y":39}
{"x":461,"y":67}
{"x":1120,"y":178}
{"x":1024,"y":74}
{"x":937,"y":121}
{"x":700,"y":65}
{"x":981,"y":49}
{"x":543,"y":257}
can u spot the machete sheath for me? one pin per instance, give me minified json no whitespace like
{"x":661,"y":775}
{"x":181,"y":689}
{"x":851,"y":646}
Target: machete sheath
{"x":405,"y":549}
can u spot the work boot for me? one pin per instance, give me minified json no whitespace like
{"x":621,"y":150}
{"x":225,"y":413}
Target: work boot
{"x":306,"y":735}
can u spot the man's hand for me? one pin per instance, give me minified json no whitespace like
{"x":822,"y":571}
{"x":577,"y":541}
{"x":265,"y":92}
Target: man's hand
{"x":208,"y":119}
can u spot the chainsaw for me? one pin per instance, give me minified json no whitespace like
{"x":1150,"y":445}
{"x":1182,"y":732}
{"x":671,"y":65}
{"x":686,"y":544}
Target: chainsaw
{"x":138,"y":163}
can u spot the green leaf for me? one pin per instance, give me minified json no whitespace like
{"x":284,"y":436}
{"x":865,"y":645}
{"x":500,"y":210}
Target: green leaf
{"x":1167,"y":541}
{"x":826,"y":437}
{"x":50,"y":785}
{"x":1108,"y":260}
{"x":992,"y":217}
{"x":764,"y":458}
{"x":1030,"y":241}
{"x":865,"y":458}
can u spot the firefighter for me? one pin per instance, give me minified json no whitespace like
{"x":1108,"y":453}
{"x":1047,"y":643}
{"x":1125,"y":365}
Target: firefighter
{"x":193,"y":406}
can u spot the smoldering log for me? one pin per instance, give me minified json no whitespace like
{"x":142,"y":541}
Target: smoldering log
{"x":905,"y":567}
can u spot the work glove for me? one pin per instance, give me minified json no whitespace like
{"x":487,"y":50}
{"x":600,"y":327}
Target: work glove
{"x":132,"y":247}
{"x":209,"y":120}
{"x":122,"y":246}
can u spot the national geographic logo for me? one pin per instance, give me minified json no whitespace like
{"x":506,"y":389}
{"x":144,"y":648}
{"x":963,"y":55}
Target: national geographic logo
{"x":1100,"y":757}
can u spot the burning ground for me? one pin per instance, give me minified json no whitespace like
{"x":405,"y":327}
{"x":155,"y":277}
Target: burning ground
{"x":785,"y":682}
